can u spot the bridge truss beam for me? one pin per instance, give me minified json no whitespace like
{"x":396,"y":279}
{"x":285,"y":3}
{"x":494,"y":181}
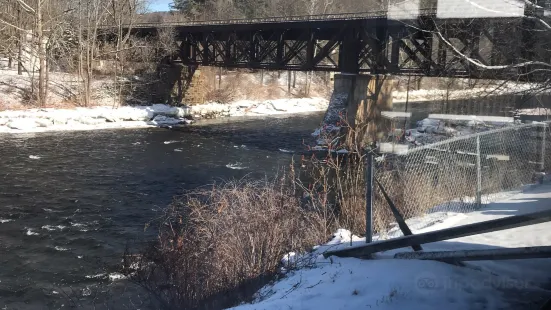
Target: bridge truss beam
{"x":425,"y":46}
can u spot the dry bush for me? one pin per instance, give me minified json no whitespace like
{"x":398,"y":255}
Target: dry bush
{"x":218,"y":245}
{"x":215,"y":91}
{"x":223,"y":95}
{"x":335,"y":187}
{"x":302,"y":92}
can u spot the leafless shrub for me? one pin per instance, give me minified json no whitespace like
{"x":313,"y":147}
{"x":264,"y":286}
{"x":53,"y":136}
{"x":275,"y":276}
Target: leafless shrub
{"x":224,"y":95}
{"x":218,"y":245}
{"x":302,"y":92}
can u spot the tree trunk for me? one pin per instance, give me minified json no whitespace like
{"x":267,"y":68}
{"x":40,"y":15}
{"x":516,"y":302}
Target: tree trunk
{"x":261,"y":77}
{"x":47,"y":79}
{"x":308,"y":79}
{"x":19,"y":44}
{"x":288,"y":82}
{"x":219,"y":77}
{"x":41,"y":56}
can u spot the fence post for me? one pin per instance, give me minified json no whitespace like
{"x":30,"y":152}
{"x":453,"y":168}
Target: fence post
{"x":543,"y":141}
{"x":369,"y":195}
{"x":478,"y":173}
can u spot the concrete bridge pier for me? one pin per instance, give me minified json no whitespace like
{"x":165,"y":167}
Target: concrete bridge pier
{"x":355,"y":108}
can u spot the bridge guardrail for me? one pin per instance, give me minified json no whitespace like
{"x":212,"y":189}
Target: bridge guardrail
{"x":297,"y":18}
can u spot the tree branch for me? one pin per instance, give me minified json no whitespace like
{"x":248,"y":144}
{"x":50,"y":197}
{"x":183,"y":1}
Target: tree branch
{"x":26,"y":7}
{"x":11,"y":25}
{"x":532,"y":4}
{"x":483,"y":66}
{"x":541,"y":21}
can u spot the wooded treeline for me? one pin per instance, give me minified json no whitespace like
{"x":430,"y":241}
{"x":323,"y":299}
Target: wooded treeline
{"x":40,"y":36}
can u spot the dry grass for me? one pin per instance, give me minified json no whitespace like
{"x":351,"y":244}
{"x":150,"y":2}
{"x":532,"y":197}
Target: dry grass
{"x":243,"y":84}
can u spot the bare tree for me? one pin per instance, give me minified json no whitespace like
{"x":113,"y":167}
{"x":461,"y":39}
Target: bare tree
{"x":39,"y":18}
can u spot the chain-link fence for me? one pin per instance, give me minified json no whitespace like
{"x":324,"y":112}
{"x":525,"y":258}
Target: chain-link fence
{"x":458,"y":175}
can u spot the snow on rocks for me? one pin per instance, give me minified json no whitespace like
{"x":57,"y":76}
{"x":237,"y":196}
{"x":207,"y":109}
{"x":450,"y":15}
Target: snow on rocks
{"x":22,"y":124}
{"x":433,"y":130}
{"x":156,"y":115}
{"x":103,"y":117}
{"x":160,"y":120}
{"x":267,"y":107}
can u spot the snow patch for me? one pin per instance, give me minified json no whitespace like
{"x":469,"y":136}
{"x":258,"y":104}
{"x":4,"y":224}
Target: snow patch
{"x":100,"y":117}
{"x":267,"y":107}
{"x":156,"y":115}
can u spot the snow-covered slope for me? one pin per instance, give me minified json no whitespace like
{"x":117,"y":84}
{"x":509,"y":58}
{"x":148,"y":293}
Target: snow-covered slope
{"x":387,"y":283}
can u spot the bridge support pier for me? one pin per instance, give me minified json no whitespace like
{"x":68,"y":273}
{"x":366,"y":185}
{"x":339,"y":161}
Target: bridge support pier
{"x":175,"y":85}
{"x":358,"y":101}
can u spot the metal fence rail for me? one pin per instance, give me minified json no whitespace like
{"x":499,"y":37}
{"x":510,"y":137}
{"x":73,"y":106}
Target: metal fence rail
{"x":458,"y":175}
{"x":289,"y":18}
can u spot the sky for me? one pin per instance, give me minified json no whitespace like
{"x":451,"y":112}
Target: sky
{"x":159,"y":5}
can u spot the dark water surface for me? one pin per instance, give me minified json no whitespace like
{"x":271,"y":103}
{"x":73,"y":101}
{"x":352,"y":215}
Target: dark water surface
{"x":66,"y":217}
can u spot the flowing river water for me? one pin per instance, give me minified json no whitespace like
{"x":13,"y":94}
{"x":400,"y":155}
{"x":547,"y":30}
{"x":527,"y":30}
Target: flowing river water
{"x":71,"y":201}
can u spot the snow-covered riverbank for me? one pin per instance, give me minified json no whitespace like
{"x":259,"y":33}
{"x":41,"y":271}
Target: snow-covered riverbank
{"x":157,"y":115}
{"x":387,"y":283}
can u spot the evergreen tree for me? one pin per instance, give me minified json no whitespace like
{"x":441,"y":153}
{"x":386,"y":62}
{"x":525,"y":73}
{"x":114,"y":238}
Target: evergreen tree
{"x":191,"y":7}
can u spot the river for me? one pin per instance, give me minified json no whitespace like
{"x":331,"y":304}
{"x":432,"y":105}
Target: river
{"x":71,"y":201}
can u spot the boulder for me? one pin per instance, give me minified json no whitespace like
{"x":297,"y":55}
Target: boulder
{"x":58,"y":119}
{"x":163,"y":109}
{"x":183,"y":112}
{"x":110,"y":117}
{"x":91,"y":121}
{"x":133,"y":114}
{"x":165,"y":120}
{"x":44,"y":122}
{"x":73,"y":123}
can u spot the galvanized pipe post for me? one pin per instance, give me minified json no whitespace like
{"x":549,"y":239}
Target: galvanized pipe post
{"x":369,"y":195}
{"x":478,"y":173}
{"x":543,"y":142}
